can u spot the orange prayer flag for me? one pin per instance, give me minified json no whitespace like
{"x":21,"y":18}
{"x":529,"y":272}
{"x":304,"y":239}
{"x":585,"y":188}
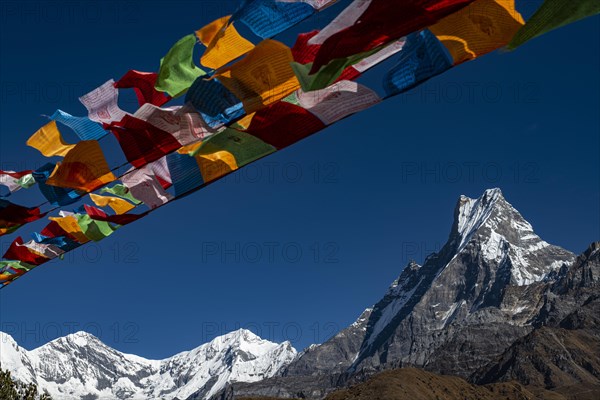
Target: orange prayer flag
{"x":223,"y":43}
{"x":263,"y":77}
{"x":49,"y":141}
{"x":119,"y":206}
{"x":479,"y":28}
{"x":84,"y":168}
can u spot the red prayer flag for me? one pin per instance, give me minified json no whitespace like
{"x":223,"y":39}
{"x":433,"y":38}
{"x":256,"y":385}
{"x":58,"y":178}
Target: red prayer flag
{"x":13,"y":215}
{"x":143,"y":84}
{"x":142,"y":142}
{"x":123,"y":219}
{"x":282,"y":124}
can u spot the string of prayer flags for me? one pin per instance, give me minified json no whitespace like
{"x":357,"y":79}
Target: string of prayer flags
{"x":254,"y":101}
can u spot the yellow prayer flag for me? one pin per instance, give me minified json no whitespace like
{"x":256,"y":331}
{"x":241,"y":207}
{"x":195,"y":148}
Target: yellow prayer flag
{"x":49,"y":141}
{"x":190,"y":148}
{"x":223,"y":43}
{"x":70,"y":225}
{"x":215,"y":165}
{"x":84,"y":168}
{"x":263,"y":77}
{"x":119,"y":206}
{"x":244,"y":123}
{"x":481,"y":27}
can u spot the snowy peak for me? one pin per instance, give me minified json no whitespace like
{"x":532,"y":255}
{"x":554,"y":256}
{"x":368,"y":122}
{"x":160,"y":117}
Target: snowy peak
{"x":497,"y":232}
{"x":80,"y":365}
{"x":471,"y":214}
{"x":74,"y":340}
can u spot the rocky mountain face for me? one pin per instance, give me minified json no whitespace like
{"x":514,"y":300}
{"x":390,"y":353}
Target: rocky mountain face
{"x":563,"y":353}
{"x":79,"y":366}
{"x":492,"y":284}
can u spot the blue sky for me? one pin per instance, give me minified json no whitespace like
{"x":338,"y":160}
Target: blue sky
{"x":298,"y":244}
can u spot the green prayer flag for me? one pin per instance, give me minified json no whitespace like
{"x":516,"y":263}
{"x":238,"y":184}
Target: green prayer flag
{"x":177,"y":69}
{"x":292,"y":99}
{"x":121,"y":191}
{"x":26,"y":181}
{"x":93,"y":229}
{"x":244,"y":147}
{"x":554,"y":14}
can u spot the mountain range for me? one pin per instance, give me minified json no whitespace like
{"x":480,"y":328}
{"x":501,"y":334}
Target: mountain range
{"x":496,"y":305}
{"x":80,"y":366}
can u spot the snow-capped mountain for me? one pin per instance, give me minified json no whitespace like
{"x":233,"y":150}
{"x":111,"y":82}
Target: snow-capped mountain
{"x":479,"y":278}
{"x":491,"y":287}
{"x":81,"y":366}
{"x":455,"y":313}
